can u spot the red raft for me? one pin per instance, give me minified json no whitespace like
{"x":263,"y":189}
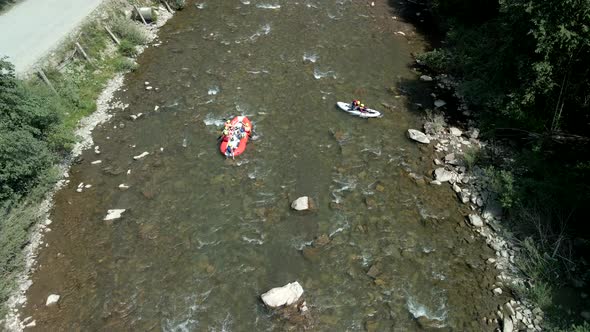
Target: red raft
{"x":235,"y":136}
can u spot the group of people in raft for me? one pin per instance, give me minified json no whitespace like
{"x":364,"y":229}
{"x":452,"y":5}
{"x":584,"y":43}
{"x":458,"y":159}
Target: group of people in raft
{"x":232,"y":134}
{"x":356,"y":105}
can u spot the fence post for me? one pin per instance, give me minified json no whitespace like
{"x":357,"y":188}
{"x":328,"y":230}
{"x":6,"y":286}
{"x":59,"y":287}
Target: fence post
{"x":112,"y":35}
{"x":46,"y":80}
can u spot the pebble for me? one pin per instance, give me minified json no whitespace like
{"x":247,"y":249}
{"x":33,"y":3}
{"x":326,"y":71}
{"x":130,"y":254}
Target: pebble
{"x":497,"y":291}
{"x":141,"y":155}
{"x":96,"y":162}
{"x":52,"y":299}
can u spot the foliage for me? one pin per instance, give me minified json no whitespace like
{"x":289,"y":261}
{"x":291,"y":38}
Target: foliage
{"x":127,"y":48}
{"x":502,"y":183}
{"x":124,"y":64}
{"x":128,"y":30}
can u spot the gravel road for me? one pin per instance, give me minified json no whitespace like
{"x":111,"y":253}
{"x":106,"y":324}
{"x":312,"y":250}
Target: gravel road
{"x":30,"y":29}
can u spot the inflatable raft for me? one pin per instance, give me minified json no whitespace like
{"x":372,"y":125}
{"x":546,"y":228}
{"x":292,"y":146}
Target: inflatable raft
{"x":368,"y":114}
{"x":234,"y":143}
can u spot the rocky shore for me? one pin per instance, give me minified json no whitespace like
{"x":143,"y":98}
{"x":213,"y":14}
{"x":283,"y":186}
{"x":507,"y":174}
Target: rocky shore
{"x":453,"y":147}
{"x":104,"y":106}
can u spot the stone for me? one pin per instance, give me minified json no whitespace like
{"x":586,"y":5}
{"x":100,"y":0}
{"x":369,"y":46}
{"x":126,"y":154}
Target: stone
{"x":141,"y":155}
{"x":96,"y":162}
{"x":509,"y":310}
{"x":442,"y":175}
{"x":455,"y":131}
{"x":456,"y":188}
{"x":123,"y":186}
{"x":507,"y":325}
{"x":418,"y":136}
{"x":439,"y":103}
{"x":437,"y":162}
{"x":303,"y":203}
{"x":497,"y":291}
{"x":380,"y":188}
{"x":464,"y":196}
{"x":450,"y":158}
{"x":280,"y":296}
{"x":114,"y":214}
{"x":52,"y":299}
{"x":374,"y":271}
{"x":474,"y":133}
{"x":475,"y":220}
{"x":31,"y":324}
{"x":435,"y":182}
{"x":425,"y":78}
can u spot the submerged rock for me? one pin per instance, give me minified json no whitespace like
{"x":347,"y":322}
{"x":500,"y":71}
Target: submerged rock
{"x":52,"y":299}
{"x":280,"y":296}
{"x":303,"y":204}
{"x":418,"y":136}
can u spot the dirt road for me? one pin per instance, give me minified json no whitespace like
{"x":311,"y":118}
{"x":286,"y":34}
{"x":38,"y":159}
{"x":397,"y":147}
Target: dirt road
{"x":30,"y":29}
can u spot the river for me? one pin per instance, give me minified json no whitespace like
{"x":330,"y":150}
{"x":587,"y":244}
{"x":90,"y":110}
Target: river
{"x":203,"y":237}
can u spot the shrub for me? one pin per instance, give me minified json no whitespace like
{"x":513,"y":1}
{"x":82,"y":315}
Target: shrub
{"x":129,"y":30}
{"x":127,"y":48}
{"x":502,"y":183}
{"x":123,"y":64}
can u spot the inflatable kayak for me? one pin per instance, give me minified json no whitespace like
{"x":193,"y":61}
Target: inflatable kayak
{"x":234,"y":143}
{"x":368,"y":114}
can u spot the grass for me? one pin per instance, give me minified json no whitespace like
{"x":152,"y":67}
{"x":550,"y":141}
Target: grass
{"x":78,"y":84}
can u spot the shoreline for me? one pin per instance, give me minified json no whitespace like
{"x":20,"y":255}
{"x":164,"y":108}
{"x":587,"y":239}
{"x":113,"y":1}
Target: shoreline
{"x":472,"y":188}
{"x":85,"y":127}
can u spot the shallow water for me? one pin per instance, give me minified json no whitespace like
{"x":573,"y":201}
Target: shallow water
{"x":203,"y":237}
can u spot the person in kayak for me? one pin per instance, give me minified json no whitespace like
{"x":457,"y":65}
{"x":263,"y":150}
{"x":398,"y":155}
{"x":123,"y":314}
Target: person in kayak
{"x":363,"y":109}
{"x":355,"y":104}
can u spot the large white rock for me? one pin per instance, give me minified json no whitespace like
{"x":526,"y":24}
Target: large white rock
{"x":114,"y":214}
{"x":280,"y":296}
{"x":425,"y":78}
{"x":141,"y":155}
{"x":52,"y":299}
{"x":455,"y":131}
{"x":439,"y":103}
{"x":418,"y":136}
{"x":475,"y":220}
{"x":442,"y":175}
{"x":302,"y":204}
{"x":507,"y":325}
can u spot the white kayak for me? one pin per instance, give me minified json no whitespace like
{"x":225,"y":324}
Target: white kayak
{"x":368,"y":114}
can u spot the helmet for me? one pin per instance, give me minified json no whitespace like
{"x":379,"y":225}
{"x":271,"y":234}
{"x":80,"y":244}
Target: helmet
{"x":362,"y":105}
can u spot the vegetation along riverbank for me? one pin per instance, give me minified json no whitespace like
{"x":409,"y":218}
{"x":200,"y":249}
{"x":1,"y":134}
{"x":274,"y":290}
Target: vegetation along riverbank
{"x":518,"y":70}
{"x":40,"y":128}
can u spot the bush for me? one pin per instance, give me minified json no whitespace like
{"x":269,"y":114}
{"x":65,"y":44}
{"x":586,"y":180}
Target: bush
{"x":127,"y":48}
{"x":502,"y":183}
{"x":123,"y":64}
{"x":129,"y":30}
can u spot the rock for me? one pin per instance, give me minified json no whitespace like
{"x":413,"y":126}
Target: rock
{"x":507,"y":325}
{"x":455,"y":131}
{"x":497,"y":291}
{"x":439,"y":103}
{"x":96,"y":162}
{"x":418,"y":136}
{"x":475,"y":220}
{"x":464,"y":196}
{"x":456,"y":188}
{"x":380,"y":188}
{"x":321,"y":241}
{"x":31,"y":324}
{"x":474,"y":133}
{"x":425,"y":78}
{"x":123,"y":186}
{"x":280,"y":296}
{"x":374,"y":271}
{"x":509,"y":310}
{"x":437,"y":162}
{"x":52,"y":299}
{"x":303,"y":308}
{"x":442,"y":175}
{"x":141,"y":155}
{"x":114,"y":214}
{"x":435,"y":182}
{"x":302,"y":204}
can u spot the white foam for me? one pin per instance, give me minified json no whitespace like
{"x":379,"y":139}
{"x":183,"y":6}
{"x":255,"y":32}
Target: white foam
{"x":318,"y":74}
{"x":213,"y":90}
{"x":311,"y":57}
{"x":250,"y":240}
{"x":211,"y":120}
{"x":263,"y":31}
{"x":245,"y":2}
{"x":201,"y":5}
{"x":420,"y":310}
{"x":268,"y":6}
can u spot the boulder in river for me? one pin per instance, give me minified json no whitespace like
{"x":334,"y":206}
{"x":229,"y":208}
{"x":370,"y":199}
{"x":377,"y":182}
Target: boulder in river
{"x":418,"y":136}
{"x":52,"y":299}
{"x":442,"y":175}
{"x":455,"y":131}
{"x":303,"y":203}
{"x":507,"y":325}
{"x":281,"y":296}
{"x":114,"y":214}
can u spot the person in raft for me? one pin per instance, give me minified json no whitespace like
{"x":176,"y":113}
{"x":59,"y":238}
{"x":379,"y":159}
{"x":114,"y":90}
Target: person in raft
{"x":355,"y":104}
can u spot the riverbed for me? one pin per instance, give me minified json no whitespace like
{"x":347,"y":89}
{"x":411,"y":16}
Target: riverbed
{"x":203,"y":236}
